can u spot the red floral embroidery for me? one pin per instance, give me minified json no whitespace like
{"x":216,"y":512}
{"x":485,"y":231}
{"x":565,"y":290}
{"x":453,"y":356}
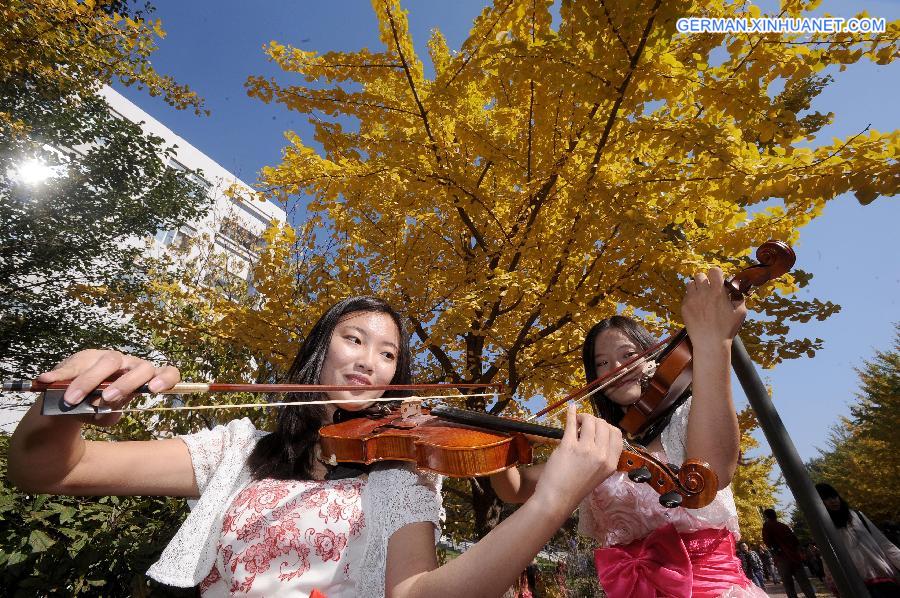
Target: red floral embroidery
{"x":251,"y":530}
{"x":257,"y":556}
{"x":328,"y":544}
{"x":268,"y":495}
{"x":210,"y":579}
{"x":260,"y":533}
{"x":334,"y":512}
{"x":316,"y":498}
{"x":284,"y":534}
{"x":357,"y":522}
{"x":300,"y":567}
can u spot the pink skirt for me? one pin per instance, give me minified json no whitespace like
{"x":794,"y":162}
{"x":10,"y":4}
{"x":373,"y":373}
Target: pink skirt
{"x":668,"y":564}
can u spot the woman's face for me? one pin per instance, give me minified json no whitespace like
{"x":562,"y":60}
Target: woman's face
{"x":832,"y":503}
{"x":363,"y":351}
{"x":612,"y":348}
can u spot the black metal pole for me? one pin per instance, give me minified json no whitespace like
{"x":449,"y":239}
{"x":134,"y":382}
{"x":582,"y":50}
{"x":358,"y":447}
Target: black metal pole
{"x":847,"y":579}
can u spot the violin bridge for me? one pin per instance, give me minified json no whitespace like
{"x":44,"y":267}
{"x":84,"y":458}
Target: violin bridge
{"x":410,"y":408}
{"x":649,"y":370}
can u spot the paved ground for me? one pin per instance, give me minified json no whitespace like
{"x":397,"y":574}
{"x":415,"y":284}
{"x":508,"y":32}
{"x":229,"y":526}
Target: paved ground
{"x":777,"y":590}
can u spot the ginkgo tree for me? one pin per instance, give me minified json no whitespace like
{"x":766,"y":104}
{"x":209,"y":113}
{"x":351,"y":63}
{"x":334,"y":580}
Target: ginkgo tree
{"x":567,"y":161}
{"x":752,"y":485}
{"x":39,"y":38}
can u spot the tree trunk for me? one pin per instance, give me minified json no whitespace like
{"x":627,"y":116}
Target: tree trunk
{"x":486,"y":506}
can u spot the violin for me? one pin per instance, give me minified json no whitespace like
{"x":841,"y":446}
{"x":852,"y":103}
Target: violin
{"x":460,"y":443}
{"x":674,"y":370}
{"x":671,"y":359}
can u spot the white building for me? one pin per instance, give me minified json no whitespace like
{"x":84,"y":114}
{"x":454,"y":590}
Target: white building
{"x":234,"y":227}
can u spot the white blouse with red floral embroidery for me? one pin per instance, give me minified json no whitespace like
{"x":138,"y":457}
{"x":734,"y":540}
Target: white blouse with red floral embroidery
{"x":266,"y":537}
{"x":290,"y":537}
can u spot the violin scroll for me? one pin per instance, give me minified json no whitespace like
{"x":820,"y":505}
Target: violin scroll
{"x":693,"y":485}
{"x":775,"y":259}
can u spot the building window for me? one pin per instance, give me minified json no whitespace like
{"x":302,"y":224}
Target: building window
{"x":178,"y":238}
{"x":234,"y":230}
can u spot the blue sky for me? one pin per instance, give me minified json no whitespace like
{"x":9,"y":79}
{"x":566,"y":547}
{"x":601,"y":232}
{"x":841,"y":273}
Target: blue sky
{"x":214,"y":46}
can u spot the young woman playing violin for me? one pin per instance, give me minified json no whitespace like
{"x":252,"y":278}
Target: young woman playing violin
{"x":647,"y":550}
{"x":272,"y":517}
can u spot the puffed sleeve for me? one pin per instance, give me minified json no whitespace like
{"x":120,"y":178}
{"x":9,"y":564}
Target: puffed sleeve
{"x":218,"y":457}
{"x":394,"y":497}
{"x":208,"y":447}
{"x":722,"y":511}
{"x":890,"y":551}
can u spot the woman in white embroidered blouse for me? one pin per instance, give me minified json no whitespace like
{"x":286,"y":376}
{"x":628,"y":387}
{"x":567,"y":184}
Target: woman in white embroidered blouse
{"x":646,"y":549}
{"x":271,"y":517}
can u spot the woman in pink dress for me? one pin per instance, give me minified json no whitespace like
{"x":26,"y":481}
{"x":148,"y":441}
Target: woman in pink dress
{"x":647,"y":550}
{"x":272,"y":516}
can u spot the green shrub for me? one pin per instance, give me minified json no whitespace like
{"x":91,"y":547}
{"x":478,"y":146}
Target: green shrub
{"x":86,"y":546}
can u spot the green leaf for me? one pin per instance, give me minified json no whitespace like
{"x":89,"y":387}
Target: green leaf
{"x":66,"y":513}
{"x":70,"y":532}
{"x":40,"y":541}
{"x":41,"y":515}
{"x":76,"y":546}
{"x":16,"y":558}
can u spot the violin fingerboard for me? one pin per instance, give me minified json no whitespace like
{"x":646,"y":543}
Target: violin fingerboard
{"x":479,"y":419}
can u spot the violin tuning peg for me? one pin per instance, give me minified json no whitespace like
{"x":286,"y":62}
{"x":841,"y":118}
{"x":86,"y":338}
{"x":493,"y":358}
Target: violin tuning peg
{"x":640,"y":475}
{"x":670,"y":500}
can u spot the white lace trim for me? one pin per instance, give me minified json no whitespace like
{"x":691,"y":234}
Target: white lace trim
{"x":393,"y":497}
{"x":218,"y":457}
{"x":396,"y":496}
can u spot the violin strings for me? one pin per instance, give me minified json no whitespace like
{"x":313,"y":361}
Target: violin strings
{"x":629,"y":446}
{"x":287,"y":403}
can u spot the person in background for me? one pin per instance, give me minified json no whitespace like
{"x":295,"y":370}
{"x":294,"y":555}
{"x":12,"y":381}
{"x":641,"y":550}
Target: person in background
{"x":769,"y":571}
{"x":751,"y":564}
{"x":814,"y":561}
{"x":876,"y":559}
{"x":785,"y":548}
{"x":768,"y":564}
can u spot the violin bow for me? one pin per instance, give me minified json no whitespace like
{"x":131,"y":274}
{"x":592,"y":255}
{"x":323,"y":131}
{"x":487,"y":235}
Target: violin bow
{"x":596,"y":385}
{"x":54,"y":404}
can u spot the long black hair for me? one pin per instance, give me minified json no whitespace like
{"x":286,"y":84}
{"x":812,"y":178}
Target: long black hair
{"x":603,"y":407}
{"x":289,"y":453}
{"x":841,"y":517}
